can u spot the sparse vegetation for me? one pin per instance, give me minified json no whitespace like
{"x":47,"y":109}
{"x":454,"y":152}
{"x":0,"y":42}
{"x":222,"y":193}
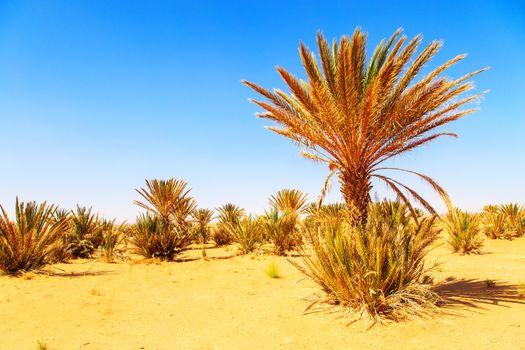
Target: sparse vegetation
{"x":463,"y":231}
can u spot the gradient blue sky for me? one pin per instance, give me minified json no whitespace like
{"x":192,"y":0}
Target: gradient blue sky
{"x":96,"y":96}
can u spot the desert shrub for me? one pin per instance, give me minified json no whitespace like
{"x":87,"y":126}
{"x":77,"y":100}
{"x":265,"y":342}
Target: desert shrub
{"x":62,"y":251}
{"x":515,"y":215}
{"x":86,"y":232}
{"x":152,"y":237}
{"x":506,"y":221}
{"x":202,"y":219}
{"x":201,"y":227}
{"x":247,"y":233}
{"x":222,"y":235}
{"x":495,"y":225}
{"x":377,"y":269}
{"x":464,"y":231}
{"x":113,"y":241}
{"x":282,"y":230}
{"x":170,"y":199}
{"x":28,"y":242}
{"x":228,"y":215}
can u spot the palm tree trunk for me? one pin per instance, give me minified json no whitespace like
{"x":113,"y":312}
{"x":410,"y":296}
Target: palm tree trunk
{"x":355,"y":188}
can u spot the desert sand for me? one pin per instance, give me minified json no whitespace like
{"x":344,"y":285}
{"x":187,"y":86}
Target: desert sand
{"x":228,"y":302}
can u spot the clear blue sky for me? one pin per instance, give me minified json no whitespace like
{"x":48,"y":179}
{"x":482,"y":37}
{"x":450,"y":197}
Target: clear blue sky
{"x":96,"y":96}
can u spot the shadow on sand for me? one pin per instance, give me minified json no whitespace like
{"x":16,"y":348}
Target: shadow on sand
{"x":474,"y":293}
{"x":63,"y":273}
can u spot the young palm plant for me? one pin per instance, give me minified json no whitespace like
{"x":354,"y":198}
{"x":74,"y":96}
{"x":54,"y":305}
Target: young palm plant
{"x":333,"y":213}
{"x":282,"y":229}
{"x":113,"y":241}
{"x":464,"y":231}
{"x":377,"y":269}
{"x":515,"y":215}
{"x":495,"y":225}
{"x":289,"y":200}
{"x":86,"y":232}
{"x":247,"y":233}
{"x":28,"y":242}
{"x":354,"y":114}
{"x":167,"y":199}
{"x":228,"y":215}
{"x":203,"y":218}
{"x":62,"y":251}
{"x":153,"y":237}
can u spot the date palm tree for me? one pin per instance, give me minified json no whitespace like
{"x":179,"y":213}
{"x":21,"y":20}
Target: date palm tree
{"x":355,"y":114}
{"x":287,"y":199}
{"x":167,"y":198}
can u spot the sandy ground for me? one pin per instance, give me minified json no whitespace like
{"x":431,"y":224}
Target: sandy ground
{"x":230,"y":303}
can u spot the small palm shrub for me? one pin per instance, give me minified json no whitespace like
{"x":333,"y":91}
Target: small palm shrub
{"x":289,"y":200}
{"x":86,"y":232}
{"x":377,"y":269}
{"x":515,"y":215}
{"x":28,"y":242}
{"x":281,"y":222}
{"x":228,"y":215}
{"x":495,"y":225}
{"x":247,"y":233}
{"x":464,"y":231}
{"x":113,"y":241}
{"x":334,"y":213}
{"x":62,"y":252}
{"x":222,"y":235}
{"x":202,"y":219}
{"x":152,"y":237}
{"x":282,"y":229}
{"x":165,"y":197}
{"x":506,"y":221}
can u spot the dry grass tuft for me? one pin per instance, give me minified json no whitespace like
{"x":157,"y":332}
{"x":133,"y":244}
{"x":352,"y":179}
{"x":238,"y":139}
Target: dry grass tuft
{"x":272,"y":270}
{"x":41,"y":345}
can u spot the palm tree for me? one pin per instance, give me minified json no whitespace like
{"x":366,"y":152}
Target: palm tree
{"x":202,"y":218}
{"x":230,"y":213}
{"x":354,"y":114}
{"x":166,"y":198}
{"x":293,"y":200}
